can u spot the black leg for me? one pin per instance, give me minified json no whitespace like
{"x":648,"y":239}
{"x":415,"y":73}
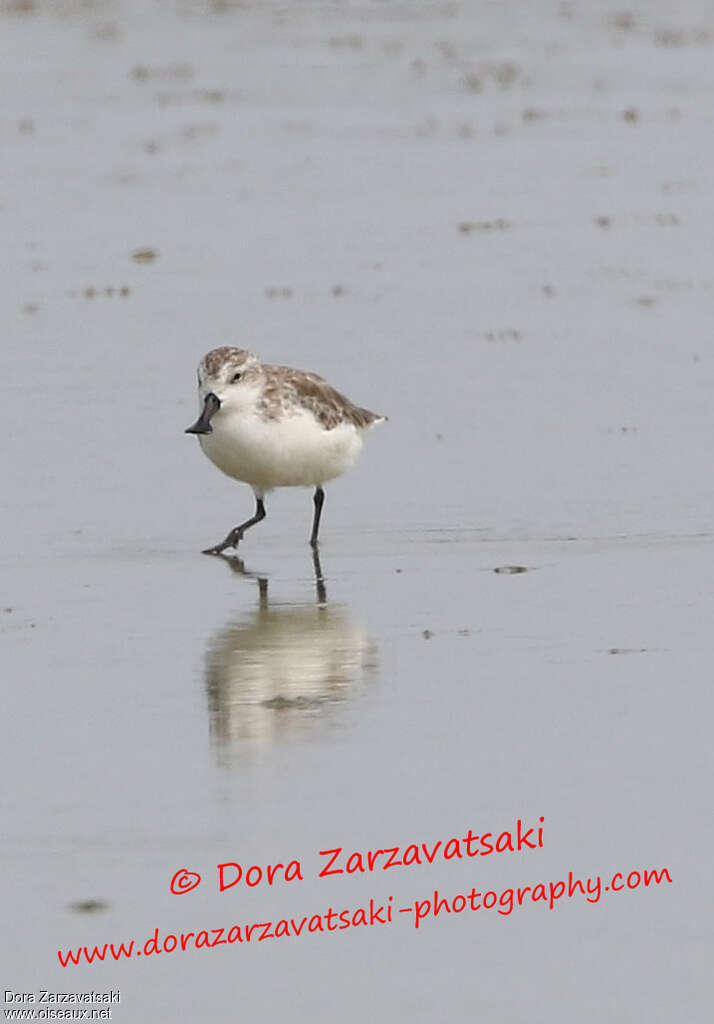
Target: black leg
{"x":236,"y":534}
{"x":319,"y":578}
{"x":319,"y":501}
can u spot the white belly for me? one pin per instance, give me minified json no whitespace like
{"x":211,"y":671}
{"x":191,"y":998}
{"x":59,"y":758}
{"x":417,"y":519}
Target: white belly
{"x":291,"y":452}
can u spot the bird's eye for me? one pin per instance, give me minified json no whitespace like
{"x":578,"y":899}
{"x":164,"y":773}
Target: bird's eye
{"x":236,"y":376}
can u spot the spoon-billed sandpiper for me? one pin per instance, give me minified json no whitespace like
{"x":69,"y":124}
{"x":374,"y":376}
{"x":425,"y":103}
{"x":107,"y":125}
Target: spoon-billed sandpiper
{"x":272,"y":426}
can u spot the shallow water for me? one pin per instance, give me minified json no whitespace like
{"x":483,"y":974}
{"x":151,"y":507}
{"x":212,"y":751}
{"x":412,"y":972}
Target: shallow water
{"x":488,"y":221}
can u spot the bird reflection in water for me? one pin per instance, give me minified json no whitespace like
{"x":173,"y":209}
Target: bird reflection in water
{"x":280,"y":671}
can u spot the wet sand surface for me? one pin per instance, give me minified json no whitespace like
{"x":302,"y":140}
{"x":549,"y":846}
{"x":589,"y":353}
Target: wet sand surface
{"x":491,"y":222}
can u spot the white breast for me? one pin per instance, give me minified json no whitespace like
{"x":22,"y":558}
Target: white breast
{"x":290,"y":452}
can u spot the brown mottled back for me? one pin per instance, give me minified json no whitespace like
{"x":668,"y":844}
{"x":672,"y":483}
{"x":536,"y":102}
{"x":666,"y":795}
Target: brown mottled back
{"x":286,"y":388}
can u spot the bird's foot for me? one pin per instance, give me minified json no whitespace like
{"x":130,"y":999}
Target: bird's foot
{"x":232,"y":541}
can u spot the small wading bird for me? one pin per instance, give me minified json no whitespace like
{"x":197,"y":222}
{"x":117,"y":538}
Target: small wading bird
{"x":272,"y":426}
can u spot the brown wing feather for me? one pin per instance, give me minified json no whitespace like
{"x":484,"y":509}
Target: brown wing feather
{"x":310,"y":391}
